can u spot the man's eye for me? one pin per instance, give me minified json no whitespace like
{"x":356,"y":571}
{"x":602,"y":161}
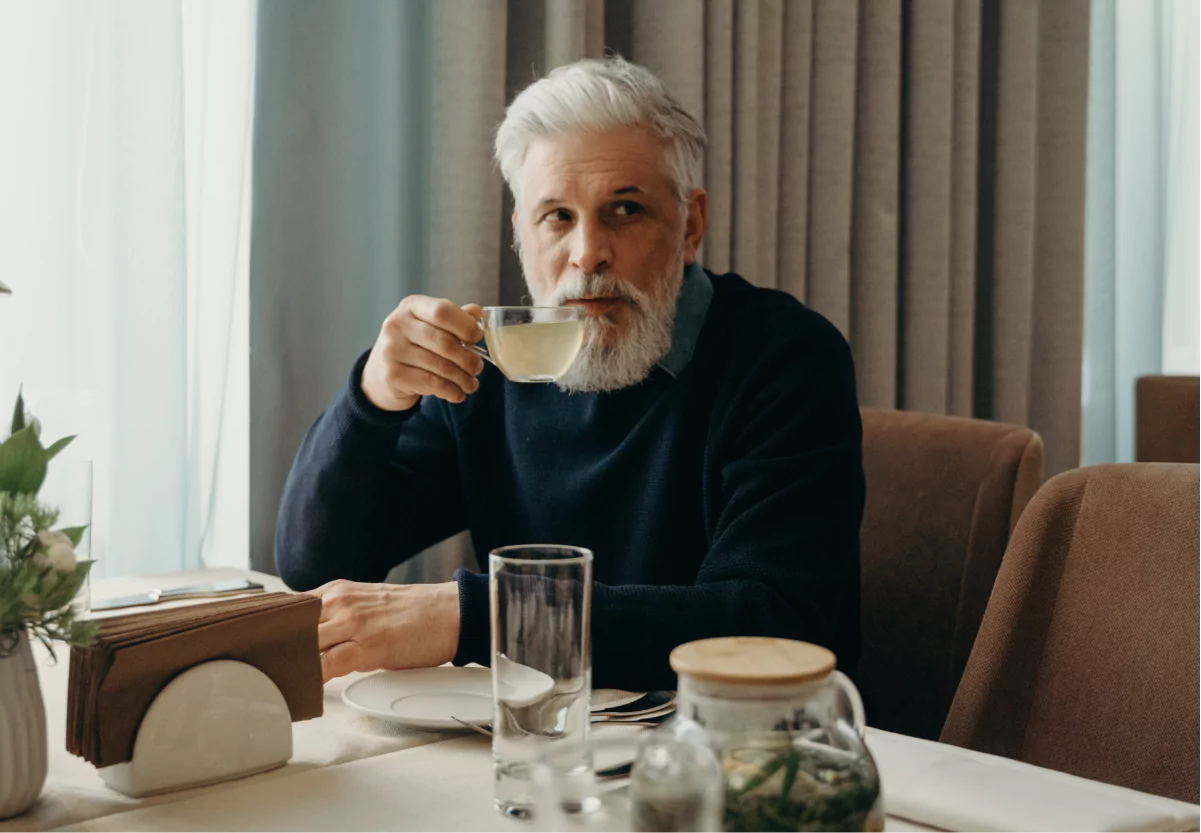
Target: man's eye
{"x":627,"y":209}
{"x":559,"y":215}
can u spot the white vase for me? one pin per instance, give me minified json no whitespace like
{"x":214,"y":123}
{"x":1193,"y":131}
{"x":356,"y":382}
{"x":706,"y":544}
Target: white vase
{"x":22,"y":731}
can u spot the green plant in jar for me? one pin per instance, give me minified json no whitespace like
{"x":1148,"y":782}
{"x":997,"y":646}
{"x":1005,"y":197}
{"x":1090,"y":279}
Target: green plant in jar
{"x":801,"y":787}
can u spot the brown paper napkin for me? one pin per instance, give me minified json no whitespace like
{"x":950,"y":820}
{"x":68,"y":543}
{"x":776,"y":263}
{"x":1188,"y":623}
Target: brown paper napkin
{"x":113,"y":682}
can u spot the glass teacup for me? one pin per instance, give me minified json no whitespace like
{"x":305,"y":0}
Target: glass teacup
{"x":531,"y":344}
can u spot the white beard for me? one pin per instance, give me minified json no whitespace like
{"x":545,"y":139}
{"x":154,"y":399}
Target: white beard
{"x":602,"y":366}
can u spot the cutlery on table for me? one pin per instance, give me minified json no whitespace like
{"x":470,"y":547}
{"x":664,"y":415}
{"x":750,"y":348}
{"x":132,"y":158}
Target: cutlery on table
{"x":651,"y":703}
{"x":200,"y":591}
{"x":475,"y":727}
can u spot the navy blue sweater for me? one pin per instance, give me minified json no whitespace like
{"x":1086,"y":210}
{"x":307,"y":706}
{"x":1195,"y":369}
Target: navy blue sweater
{"x":724,"y":501}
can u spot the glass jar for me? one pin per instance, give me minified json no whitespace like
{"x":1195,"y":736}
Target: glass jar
{"x":787,"y":728}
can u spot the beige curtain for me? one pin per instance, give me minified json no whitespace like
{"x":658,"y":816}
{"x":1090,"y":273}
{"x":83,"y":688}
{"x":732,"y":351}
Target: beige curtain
{"x":912,"y":170}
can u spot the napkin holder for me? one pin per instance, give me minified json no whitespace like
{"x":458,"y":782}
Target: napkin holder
{"x":215,"y":721}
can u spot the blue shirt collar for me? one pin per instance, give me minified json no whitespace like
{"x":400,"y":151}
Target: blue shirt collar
{"x":691,"y":308}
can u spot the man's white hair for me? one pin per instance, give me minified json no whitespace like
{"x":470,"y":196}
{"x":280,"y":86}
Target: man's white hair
{"x":600,"y":95}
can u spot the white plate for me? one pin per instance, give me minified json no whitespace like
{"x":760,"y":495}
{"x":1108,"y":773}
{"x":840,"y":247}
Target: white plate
{"x":426,"y":698}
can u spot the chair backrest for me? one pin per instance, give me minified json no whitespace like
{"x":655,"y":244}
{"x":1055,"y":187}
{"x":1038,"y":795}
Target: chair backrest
{"x":1167,"y":411}
{"x":942,"y":496}
{"x":1086,"y":661}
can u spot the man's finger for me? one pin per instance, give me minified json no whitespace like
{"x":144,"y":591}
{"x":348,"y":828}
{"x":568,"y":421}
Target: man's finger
{"x":340,"y":660}
{"x":333,"y":632}
{"x":446,"y":346}
{"x":440,"y":365}
{"x":446,"y":316}
{"x":429,"y":384}
{"x":324,"y":593}
{"x":329,"y":587}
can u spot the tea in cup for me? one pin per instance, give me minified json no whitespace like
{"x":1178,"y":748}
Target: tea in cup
{"x":531,"y":344}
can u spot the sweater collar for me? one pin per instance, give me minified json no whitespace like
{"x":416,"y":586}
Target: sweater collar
{"x":691,"y":307}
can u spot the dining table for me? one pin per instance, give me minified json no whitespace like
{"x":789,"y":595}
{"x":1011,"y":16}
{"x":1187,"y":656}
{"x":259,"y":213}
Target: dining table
{"x":350,"y":771}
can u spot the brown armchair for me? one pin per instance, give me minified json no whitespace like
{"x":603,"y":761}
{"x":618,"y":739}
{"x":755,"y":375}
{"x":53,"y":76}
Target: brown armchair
{"x":943,"y":494}
{"x":1086,"y":661}
{"x":1167,"y":410}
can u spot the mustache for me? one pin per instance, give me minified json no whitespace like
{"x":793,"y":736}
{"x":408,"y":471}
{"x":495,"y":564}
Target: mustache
{"x":594,"y":285}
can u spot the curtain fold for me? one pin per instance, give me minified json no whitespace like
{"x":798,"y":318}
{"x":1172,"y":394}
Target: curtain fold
{"x":913,"y":171}
{"x":875,"y":238}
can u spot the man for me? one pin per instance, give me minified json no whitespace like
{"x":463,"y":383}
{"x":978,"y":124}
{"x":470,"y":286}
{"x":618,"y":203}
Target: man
{"x":705,"y":445}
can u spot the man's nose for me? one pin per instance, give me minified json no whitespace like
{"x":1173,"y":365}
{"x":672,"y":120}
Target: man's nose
{"x":591,"y":247}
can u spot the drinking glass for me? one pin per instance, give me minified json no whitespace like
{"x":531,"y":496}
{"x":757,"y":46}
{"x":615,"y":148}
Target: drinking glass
{"x":540,"y":598}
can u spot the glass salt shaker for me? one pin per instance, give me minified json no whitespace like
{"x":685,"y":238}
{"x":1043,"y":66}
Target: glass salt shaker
{"x":676,"y":783}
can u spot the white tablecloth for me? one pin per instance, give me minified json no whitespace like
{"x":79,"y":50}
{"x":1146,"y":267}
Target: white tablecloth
{"x":446,"y":786}
{"x":348,"y":771}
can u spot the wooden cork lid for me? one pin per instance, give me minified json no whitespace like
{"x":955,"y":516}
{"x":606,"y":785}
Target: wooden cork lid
{"x":752,"y":660}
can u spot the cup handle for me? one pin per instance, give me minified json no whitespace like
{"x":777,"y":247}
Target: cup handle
{"x":852,"y":694}
{"x":481,"y":352}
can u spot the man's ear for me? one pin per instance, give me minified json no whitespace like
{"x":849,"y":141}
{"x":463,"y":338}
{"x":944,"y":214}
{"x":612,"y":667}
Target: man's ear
{"x":694,"y":223}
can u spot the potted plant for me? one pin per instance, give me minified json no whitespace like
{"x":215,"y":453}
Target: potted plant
{"x":39,"y":579}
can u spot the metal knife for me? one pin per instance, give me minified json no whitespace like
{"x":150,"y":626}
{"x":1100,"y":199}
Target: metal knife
{"x":198,"y":591}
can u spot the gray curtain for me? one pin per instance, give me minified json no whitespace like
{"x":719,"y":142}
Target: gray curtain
{"x":912,"y":170}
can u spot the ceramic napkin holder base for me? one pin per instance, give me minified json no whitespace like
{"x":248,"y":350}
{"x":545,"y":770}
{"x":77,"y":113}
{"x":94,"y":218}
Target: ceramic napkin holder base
{"x":216,"y":721}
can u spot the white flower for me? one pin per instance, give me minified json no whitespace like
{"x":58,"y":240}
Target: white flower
{"x":49,"y":537}
{"x":62,"y":557}
{"x":59,"y":552}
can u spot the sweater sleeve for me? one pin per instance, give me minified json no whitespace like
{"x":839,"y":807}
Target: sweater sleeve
{"x":369,"y":488}
{"x":784,"y":553}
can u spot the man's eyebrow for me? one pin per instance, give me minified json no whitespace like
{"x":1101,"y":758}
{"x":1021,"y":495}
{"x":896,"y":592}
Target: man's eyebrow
{"x":626,"y":189}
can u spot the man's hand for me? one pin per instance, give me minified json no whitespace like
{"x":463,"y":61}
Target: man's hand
{"x":365,"y":627}
{"x":420,"y":351}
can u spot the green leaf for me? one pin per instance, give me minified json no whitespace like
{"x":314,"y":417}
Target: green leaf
{"x":64,"y":589}
{"x":55,"y":448}
{"x":19,"y":413}
{"x":75,"y":533}
{"x":60,"y":589}
{"x":790,"y":771}
{"x":757,"y":780}
{"x":22,"y":463}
